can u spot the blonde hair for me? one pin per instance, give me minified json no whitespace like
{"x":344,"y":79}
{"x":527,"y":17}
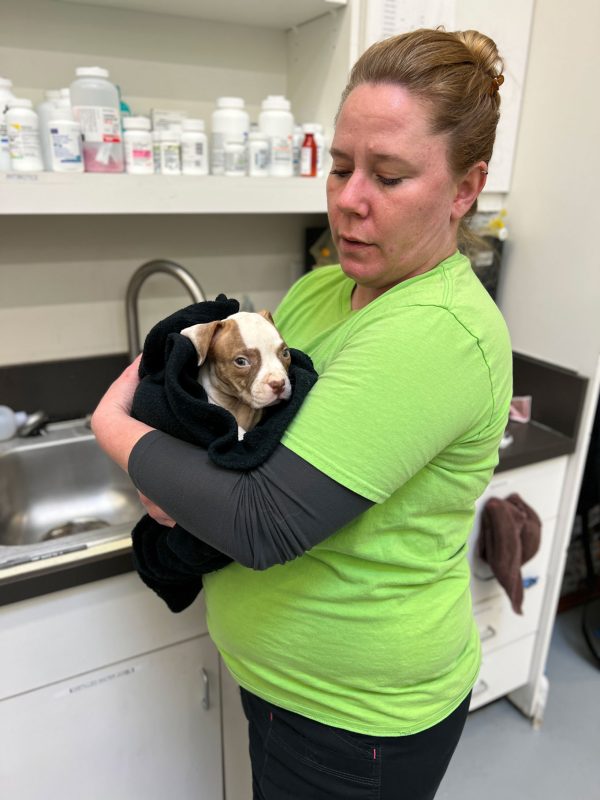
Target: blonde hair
{"x":459,"y":73}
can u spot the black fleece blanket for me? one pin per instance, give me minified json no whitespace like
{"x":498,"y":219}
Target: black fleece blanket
{"x":171,"y":561}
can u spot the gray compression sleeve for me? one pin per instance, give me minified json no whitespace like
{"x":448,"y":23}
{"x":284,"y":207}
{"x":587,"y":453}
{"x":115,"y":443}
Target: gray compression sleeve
{"x":259,"y":518}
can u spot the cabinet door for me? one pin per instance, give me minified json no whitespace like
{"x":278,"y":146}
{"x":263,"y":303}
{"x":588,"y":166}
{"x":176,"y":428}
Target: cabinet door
{"x":148,"y":727}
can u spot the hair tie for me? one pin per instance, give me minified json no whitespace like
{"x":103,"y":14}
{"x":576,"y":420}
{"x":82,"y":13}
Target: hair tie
{"x":496,"y":84}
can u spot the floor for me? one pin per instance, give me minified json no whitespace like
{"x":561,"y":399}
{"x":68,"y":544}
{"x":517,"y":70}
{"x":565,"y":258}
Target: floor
{"x":501,"y":756}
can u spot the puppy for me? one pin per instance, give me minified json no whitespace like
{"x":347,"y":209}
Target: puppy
{"x":244,"y":364}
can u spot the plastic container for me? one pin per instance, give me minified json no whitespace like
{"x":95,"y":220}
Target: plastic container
{"x":10,"y":422}
{"x":320,"y":140}
{"x":95,"y":102}
{"x":308,"y":153}
{"x":277,"y":122}
{"x":297,"y":140}
{"x":5,"y":96}
{"x":194,"y":148}
{"x":23,"y":136}
{"x":52,"y":96}
{"x":64,"y":136}
{"x":169,"y":152}
{"x":139,"y":153}
{"x":229,"y":122}
{"x":235,"y":158}
{"x":258,"y":155}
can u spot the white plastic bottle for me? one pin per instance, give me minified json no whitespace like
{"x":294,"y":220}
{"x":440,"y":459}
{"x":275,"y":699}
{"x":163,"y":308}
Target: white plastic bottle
{"x":23,"y":136}
{"x":64,"y":137}
{"x":5,"y":96}
{"x":277,"y":122}
{"x":137,"y":138}
{"x":229,"y":122}
{"x":169,"y":151}
{"x":95,"y":102}
{"x":10,"y":422}
{"x":236,"y":161}
{"x":258,"y":155}
{"x":194,"y":148}
{"x":43,"y":112}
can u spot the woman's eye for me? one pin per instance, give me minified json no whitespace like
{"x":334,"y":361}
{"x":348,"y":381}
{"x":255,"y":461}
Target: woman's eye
{"x":389,"y":181}
{"x":340,"y":173}
{"x":240,"y":361}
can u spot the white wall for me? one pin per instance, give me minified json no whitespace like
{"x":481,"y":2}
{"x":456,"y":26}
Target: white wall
{"x":63,"y":279}
{"x":550,"y":292}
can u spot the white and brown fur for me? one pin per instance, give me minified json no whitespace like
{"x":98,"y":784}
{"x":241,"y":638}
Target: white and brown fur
{"x":244,"y":364}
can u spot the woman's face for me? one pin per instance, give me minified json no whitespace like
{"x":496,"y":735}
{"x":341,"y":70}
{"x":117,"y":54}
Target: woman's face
{"x":393,"y":204}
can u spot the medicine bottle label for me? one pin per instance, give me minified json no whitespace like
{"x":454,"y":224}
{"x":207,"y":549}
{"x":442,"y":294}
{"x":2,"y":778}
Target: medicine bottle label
{"x":193,"y":155}
{"x":98,"y":124}
{"x":235,"y":160}
{"x":282,"y":151}
{"x":65,"y":148}
{"x":170,"y":159}
{"x":23,"y":141}
{"x":138,"y":152}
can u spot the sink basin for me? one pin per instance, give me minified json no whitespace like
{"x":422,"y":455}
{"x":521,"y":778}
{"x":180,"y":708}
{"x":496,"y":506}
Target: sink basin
{"x":61,"y":487}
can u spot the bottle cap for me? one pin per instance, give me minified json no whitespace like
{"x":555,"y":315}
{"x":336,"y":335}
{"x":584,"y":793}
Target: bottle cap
{"x":61,"y":110}
{"x":276,"y":102}
{"x":170,"y":135}
{"x":136,"y":123}
{"x":193,"y":125}
{"x":91,"y":72}
{"x":19,"y":102}
{"x":230,"y":102}
{"x":5,"y":83}
{"x":66,"y":92}
{"x":52,"y":94}
{"x":309,"y":127}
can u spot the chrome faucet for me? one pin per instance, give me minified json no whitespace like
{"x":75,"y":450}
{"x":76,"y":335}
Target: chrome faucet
{"x":133,"y":291}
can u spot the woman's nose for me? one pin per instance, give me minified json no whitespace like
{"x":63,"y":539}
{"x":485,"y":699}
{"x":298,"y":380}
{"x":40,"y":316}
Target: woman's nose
{"x":352,"y":197}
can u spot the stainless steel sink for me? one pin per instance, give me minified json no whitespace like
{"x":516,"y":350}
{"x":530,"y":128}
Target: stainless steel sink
{"x":60,"y":489}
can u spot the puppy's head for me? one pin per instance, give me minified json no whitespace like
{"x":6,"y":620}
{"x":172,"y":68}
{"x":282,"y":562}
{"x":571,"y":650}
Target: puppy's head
{"x":245,"y":357}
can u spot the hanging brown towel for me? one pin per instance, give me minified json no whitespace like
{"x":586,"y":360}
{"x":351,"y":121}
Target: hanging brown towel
{"x":509,"y":536}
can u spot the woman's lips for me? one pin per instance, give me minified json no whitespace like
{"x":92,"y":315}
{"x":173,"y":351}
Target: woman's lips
{"x":354,"y":244}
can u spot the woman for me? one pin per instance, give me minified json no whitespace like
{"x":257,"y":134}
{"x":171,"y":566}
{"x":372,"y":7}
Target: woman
{"x":347,"y":620}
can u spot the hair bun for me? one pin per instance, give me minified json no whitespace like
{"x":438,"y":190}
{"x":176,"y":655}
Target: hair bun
{"x":484,"y":53}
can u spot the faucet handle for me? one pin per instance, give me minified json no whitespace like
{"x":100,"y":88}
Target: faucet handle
{"x":33,"y":424}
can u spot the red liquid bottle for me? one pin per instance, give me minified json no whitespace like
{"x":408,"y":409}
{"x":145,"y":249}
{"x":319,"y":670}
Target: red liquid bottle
{"x":308,"y":153}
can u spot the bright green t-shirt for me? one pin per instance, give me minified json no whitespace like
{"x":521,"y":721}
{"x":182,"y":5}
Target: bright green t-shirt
{"x":372,"y":630}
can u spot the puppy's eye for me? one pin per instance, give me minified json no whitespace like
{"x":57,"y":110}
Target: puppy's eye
{"x":285,"y":353}
{"x":241,"y":361}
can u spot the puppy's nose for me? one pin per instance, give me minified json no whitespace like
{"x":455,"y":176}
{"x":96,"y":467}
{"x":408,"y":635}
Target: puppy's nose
{"x":277,"y":386}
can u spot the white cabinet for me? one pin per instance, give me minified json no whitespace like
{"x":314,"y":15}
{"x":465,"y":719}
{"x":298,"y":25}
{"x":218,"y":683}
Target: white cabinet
{"x":147,"y":727}
{"x":105,"y":693}
{"x":508,"y":639}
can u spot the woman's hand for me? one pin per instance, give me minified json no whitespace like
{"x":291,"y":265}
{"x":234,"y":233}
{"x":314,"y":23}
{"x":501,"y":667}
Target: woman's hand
{"x":157,"y":514}
{"x":114,"y":428}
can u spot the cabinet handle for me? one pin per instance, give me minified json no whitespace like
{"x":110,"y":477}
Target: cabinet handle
{"x":205,"y":696}
{"x":479,"y":688}
{"x":488,"y":633}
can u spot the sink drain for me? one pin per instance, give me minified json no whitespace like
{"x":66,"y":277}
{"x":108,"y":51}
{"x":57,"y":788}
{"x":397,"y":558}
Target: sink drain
{"x":77,"y":525}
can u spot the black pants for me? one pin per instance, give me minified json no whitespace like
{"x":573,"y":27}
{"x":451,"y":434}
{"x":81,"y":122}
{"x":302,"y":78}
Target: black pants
{"x":294,"y":758}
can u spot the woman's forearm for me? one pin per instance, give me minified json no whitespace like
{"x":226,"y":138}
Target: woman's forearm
{"x":116,"y":431}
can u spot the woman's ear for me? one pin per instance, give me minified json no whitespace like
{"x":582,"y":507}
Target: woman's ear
{"x":468,"y":189}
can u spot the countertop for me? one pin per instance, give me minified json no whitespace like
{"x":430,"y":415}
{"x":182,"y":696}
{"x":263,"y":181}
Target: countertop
{"x":532,"y":443}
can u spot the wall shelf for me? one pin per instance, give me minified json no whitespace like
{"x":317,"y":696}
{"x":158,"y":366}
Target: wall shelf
{"x":58,"y":193}
{"x":266,"y":13}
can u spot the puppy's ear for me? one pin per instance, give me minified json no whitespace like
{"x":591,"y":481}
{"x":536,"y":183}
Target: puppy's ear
{"x":267,"y":316}
{"x":201,"y":336}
